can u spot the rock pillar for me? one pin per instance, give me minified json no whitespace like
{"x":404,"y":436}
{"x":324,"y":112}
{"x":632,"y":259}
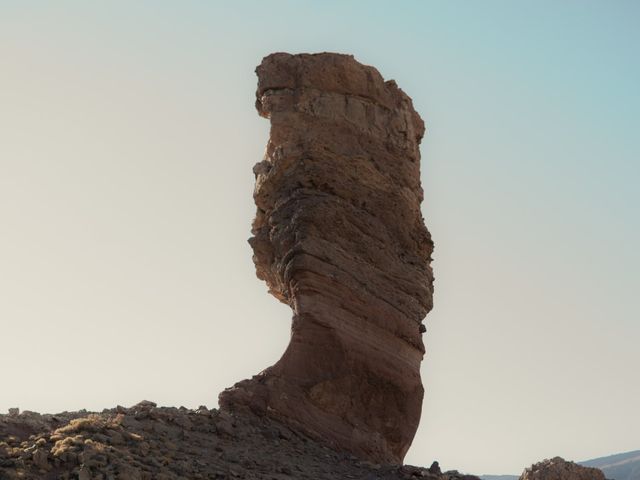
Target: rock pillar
{"x":339,"y":236}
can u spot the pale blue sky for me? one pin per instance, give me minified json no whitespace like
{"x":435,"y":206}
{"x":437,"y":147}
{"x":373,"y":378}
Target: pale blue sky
{"x":127,"y":137}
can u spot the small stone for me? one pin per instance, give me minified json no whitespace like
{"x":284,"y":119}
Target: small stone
{"x":84,"y":474}
{"x":203,"y":412}
{"x":41,"y":458}
{"x":183,"y":421}
{"x":144,"y":448}
{"x":144,"y":405}
{"x":284,"y":433}
{"x":14,"y":412}
{"x":130,"y":422}
{"x":28,"y":414}
{"x":115,"y":437}
{"x":225,"y":426}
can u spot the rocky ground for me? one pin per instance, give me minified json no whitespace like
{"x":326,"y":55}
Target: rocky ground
{"x":146,"y":442}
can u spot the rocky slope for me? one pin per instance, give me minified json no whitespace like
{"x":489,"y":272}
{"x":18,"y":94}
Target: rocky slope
{"x":339,"y":236}
{"x":145,"y":442}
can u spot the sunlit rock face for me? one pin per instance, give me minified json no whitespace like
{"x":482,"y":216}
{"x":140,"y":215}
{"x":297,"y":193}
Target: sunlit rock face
{"x":559,"y":469}
{"x":339,"y":236}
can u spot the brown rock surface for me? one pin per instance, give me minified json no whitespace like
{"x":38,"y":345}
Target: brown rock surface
{"x":560,"y":469}
{"x":146,"y":442}
{"x":339,"y":236}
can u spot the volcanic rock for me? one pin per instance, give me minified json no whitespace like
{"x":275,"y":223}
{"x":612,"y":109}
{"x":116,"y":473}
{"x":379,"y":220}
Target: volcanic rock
{"x":176,"y":444}
{"x":559,"y":469}
{"x":339,"y":237}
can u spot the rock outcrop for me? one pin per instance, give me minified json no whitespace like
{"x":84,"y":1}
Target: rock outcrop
{"x":146,"y":442}
{"x":559,"y":469}
{"x":339,"y":237}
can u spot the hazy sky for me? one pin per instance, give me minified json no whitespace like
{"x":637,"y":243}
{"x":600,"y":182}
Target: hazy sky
{"x":127,"y":138}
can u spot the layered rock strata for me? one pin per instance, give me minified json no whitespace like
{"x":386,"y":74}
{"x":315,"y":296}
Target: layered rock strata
{"x":339,"y":237}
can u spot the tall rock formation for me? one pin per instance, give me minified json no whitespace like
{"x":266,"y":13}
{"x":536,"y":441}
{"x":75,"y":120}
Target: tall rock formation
{"x":339,"y":237}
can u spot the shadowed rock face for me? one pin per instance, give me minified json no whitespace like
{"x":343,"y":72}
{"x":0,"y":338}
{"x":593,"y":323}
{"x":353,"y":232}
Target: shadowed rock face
{"x":339,"y":236}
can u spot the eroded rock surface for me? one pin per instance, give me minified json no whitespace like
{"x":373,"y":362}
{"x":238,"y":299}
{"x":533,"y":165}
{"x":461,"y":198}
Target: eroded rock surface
{"x":146,"y":442}
{"x":339,"y":237}
{"x":559,"y":469}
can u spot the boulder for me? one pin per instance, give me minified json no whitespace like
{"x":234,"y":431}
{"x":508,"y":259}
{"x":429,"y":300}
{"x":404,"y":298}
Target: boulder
{"x":559,"y":469}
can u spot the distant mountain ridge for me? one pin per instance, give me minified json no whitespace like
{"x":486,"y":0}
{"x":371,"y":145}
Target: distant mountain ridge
{"x":620,"y":466}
